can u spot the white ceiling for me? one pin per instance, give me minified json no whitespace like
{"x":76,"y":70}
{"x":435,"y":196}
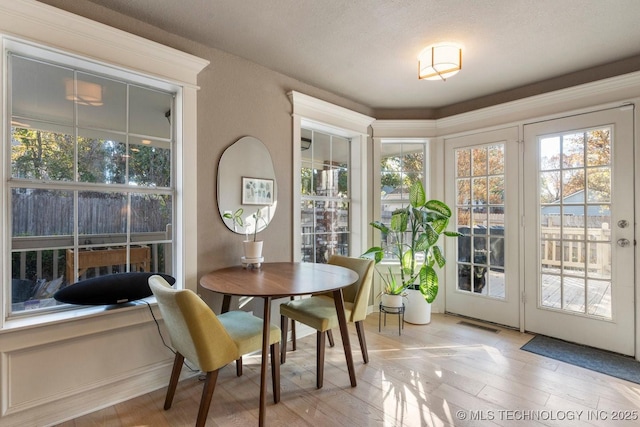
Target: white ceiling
{"x":366,"y":50}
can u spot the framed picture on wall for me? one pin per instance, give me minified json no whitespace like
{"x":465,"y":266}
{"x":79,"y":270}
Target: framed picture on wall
{"x":257,"y":191}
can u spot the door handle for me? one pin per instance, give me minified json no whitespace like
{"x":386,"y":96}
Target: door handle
{"x":623,"y":243}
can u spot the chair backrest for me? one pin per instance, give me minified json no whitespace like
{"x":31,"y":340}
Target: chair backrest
{"x":358,"y":292}
{"x":195,"y":331}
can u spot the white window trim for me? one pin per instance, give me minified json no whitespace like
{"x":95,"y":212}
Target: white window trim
{"x":59,"y":31}
{"x":315,"y":114}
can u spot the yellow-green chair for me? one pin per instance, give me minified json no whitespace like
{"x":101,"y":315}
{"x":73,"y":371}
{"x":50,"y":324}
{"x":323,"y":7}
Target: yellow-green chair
{"x":209,"y":341}
{"x":319,"y":311}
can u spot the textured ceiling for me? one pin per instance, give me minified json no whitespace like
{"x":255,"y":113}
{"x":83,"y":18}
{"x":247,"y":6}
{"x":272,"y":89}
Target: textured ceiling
{"x":365,"y":50}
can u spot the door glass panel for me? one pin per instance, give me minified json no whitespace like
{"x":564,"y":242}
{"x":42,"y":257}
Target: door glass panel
{"x":480,"y":213}
{"x":575,"y":219}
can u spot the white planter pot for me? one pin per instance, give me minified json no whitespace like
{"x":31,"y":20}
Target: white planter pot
{"x":391,"y":300}
{"x":417,"y":310}
{"x":252,"y":250}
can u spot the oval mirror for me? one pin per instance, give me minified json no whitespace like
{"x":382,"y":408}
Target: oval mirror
{"x":247,"y":189}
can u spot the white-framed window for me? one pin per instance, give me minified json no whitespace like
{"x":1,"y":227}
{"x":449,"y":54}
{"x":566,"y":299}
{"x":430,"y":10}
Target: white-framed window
{"x":403,"y":162}
{"x":91,"y":188}
{"x":330,"y":182}
{"x":324,"y":195}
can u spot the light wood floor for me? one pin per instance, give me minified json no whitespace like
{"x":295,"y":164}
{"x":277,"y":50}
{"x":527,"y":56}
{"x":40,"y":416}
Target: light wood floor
{"x":442,"y":374}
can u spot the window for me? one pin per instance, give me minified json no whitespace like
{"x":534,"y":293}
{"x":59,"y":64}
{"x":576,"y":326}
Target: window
{"x":330,"y":186}
{"x":91,"y":188}
{"x":324,"y":196}
{"x":401,"y":165}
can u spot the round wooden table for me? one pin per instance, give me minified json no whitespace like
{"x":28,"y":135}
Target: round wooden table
{"x":283,"y":279}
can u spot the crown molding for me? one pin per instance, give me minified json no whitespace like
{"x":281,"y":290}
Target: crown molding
{"x":620,"y":89}
{"x":44,"y":24}
{"x":404,"y":128}
{"x":321,"y":111}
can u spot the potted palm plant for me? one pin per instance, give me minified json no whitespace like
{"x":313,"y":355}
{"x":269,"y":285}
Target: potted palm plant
{"x":413,"y":241}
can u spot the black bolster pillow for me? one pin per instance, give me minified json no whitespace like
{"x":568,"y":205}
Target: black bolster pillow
{"x":110,"y":289}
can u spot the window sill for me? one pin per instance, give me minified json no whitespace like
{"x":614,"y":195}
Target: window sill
{"x":70,"y":315}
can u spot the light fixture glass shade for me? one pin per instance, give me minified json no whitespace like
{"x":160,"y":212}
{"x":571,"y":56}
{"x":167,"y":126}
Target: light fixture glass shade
{"x":439,"y":62}
{"x":87,"y":93}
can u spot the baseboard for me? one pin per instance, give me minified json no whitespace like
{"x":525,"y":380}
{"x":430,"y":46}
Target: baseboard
{"x":99,"y":396}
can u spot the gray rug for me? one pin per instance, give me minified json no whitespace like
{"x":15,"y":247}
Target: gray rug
{"x":602,"y":361}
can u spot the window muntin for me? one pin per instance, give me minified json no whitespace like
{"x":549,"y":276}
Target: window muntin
{"x":89,"y":173}
{"x":325,"y":199}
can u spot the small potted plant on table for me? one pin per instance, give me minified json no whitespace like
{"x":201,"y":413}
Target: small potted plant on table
{"x":252,"y":247}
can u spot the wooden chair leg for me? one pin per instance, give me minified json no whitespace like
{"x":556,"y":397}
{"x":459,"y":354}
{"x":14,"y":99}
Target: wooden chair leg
{"x":207,"y":394}
{"x":363,"y":342}
{"x":293,"y":331}
{"x":284,"y":322}
{"x":239,"y":367}
{"x":330,"y":337}
{"x":173,"y":382}
{"x":320,"y":359}
{"x":275,"y":371}
{"x":293,"y":335}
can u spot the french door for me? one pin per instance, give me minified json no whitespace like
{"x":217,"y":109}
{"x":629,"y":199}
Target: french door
{"x":579,"y":229}
{"x":482,"y":188}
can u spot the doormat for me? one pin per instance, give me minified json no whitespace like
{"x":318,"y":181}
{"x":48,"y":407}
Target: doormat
{"x":605,"y":362}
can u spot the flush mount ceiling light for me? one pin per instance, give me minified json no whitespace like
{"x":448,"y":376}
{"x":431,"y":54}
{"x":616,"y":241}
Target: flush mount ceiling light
{"x":86,"y":93}
{"x":439,"y":62}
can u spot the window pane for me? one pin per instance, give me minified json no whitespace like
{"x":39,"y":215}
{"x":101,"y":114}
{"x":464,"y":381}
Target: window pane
{"x":599,"y":147}
{"x":550,"y":153}
{"x":496,"y":190}
{"x":151,"y":213}
{"x":549,"y":187}
{"x":573,"y":186}
{"x":38,"y":91}
{"x":573,"y":150}
{"x":599,"y":185}
{"x":38,"y":212}
{"x":102,"y":217}
{"x":306,"y":179}
{"x":150,"y":112}
{"x":464,"y":192}
{"x":101,"y":158}
{"x":496,"y":160}
{"x":150,"y":163}
{"x":479,"y":161}
{"x":479,"y":187}
{"x":42,"y":155}
{"x":107,"y":113}
{"x":463,"y":163}
{"x":413,"y":158}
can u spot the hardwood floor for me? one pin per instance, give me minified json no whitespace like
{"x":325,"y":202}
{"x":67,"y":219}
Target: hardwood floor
{"x":446,"y":373}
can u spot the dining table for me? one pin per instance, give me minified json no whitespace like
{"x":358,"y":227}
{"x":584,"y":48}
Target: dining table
{"x":274,"y":280}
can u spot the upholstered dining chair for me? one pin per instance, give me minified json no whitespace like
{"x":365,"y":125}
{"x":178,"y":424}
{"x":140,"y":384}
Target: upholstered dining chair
{"x":209,"y":341}
{"x":319,"y":311}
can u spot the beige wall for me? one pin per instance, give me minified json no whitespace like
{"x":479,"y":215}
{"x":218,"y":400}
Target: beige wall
{"x":236,"y":98}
